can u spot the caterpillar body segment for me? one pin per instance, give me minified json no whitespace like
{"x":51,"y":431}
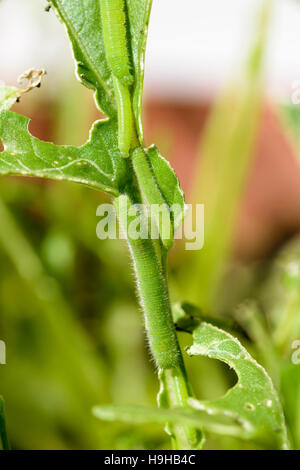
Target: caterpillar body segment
{"x":115,"y":40}
{"x":125,"y":121}
{"x":116,"y":50}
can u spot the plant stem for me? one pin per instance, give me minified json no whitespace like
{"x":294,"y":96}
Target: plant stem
{"x":174,"y":392}
{"x":4,"y":442}
{"x":154,"y":298}
{"x":153,"y":292}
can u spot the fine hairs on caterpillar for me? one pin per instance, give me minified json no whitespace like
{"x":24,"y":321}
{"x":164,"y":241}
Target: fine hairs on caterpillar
{"x":116,"y":50}
{"x":152,"y":292}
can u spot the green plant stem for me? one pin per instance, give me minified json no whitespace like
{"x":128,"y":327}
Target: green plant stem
{"x":154,"y":297}
{"x":153,"y":292}
{"x":174,"y":393}
{"x":4,"y":442}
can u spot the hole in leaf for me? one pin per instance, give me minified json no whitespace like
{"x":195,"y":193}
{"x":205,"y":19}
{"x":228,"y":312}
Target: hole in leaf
{"x":210,"y":378}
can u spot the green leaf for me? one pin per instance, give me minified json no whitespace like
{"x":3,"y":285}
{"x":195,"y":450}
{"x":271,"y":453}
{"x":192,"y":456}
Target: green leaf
{"x":253,"y":402}
{"x":280,"y":297}
{"x":250,"y":410}
{"x":97,"y":163}
{"x":83,"y":23}
{"x":290,"y":389}
{"x":168,"y":183}
{"x":137,"y":414}
{"x":4,"y":444}
{"x":8,"y":97}
{"x":161,"y":191}
{"x":139,"y":14}
{"x":174,"y":392}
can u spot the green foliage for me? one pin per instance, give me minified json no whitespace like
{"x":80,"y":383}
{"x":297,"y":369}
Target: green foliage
{"x":68,"y":366}
{"x":83,"y":23}
{"x":174,"y":393}
{"x":97,"y":163}
{"x":290,"y":389}
{"x":139,"y":15}
{"x":251,"y":410}
{"x":8,"y":96}
{"x":253,"y":402}
{"x":282,"y":305}
{"x":160,"y":187}
{"x":226,"y":150}
{"x":4,"y":444}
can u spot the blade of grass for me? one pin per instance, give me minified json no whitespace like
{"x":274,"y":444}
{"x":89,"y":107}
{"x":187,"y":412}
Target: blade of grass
{"x":3,"y":433}
{"x":85,"y":371}
{"x":221,"y":175}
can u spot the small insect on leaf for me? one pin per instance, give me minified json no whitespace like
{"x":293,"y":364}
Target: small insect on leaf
{"x":116,"y":51}
{"x":124,"y":117}
{"x":115,"y":41}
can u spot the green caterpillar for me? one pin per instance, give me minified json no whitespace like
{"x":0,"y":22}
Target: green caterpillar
{"x":125,"y":121}
{"x":153,"y":195}
{"x":115,"y":44}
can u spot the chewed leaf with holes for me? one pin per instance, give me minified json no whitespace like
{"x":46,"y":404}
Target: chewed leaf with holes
{"x":4,"y":444}
{"x":97,"y":163}
{"x":250,"y":410}
{"x":252,"y":403}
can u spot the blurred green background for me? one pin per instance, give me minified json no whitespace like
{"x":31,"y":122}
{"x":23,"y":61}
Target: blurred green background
{"x":68,"y":309}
